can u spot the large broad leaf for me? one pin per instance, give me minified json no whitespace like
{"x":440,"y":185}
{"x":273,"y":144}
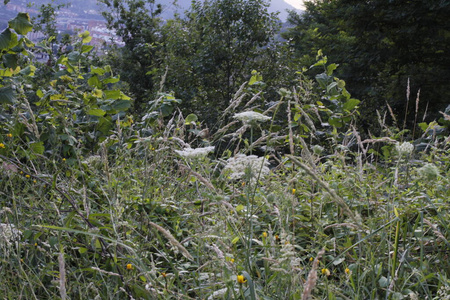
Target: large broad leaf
{"x":351,"y":104}
{"x":121,"y":105}
{"x":21,"y":24}
{"x":10,"y":60}
{"x":8,"y":39}
{"x":85,"y":36}
{"x":7,"y":95}
{"x":37,"y":147}
{"x":96,"y":112}
{"x":192,"y":118}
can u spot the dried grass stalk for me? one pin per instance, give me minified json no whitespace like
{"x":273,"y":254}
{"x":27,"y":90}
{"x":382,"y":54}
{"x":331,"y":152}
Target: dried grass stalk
{"x":312,"y":277}
{"x":199,"y":177}
{"x":172,"y":240}
{"x":62,"y":276}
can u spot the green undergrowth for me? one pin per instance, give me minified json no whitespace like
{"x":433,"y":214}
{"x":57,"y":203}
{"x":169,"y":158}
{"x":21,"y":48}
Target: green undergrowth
{"x":289,"y":202}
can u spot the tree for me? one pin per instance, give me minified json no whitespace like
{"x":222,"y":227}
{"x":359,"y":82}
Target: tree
{"x":137,"y":23}
{"x":380,"y":44}
{"x":211,"y":52}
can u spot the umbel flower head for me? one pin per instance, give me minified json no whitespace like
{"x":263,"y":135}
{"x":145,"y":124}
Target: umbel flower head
{"x":195,"y":152}
{"x":250,"y":117}
{"x":404,"y":148}
{"x":258,"y":166}
{"x":428,"y":171}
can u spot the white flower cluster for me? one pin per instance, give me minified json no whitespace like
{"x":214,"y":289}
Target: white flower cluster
{"x":404,"y":148}
{"x":428,"y":171}
{"x":195,"y":152}
{"x":240,"y":163}
{"x":249,"y":117}
{"x":8,"y":233}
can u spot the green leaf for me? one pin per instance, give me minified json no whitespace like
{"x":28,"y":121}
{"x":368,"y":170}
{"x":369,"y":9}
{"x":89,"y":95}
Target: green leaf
{"x":96,"y":112}
{"x":331,"y":68}
{"x":86,"y":48}
{"x":98,"y":71}
{"x":94,"y":82}
{"x":192,"y":118}
{"x":37,"y":147}
{"x":21,"y":23}
{"x":121,"y":105}
{"x":10,"y":60}
{"x":85,"y":36}
{"x":8,"y":39}
{"x":7,"y":95}
{"x":351,"y":104}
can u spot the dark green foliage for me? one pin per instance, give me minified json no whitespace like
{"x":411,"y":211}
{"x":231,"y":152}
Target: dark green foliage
{"x":136,"y":22}
{"x":379,"y":45}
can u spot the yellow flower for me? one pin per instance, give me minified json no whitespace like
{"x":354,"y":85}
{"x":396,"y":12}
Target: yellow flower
{"x":232,"y":260}
{"x":264,"y":234}
{"x":34,"y":181}
{"x":241,"y":279}
{"x":293,"y":191}
{"x":64,"y":159}
{"x":311,"y":258}
{"x":326,"y":272}
{"x":2,"y":145}
{"x":9,"y":135}
{"x":129,"y":267}
{"x":347,"y":271}
{"x":163,"y":274}
{"x":27,"y":176}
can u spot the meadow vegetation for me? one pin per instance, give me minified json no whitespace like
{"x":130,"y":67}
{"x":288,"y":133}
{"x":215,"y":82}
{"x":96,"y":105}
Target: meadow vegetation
{"x":280,"y":199}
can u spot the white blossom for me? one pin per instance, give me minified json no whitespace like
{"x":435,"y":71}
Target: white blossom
{"x":195,"y":152}
{"x":429,"y":171}
{"x":259,"y":166}
{"x":249,"y":117}
{"x":404,"y":148}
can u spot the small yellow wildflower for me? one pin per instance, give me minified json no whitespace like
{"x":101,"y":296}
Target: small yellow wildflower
{"x":34,"y":181}
{"x":9,"y":135}
{"x":264,"y":234}
{"x":64,"y":159}
{"x":163,"y":274}
{"x":241,"y":279}
{"x":27,"y":176}
{"x":311,"y":258}
{"x":293,"y":191}
{"x":326,"y":272}
{"x":2,"y":145}
{"x":243,"y":184}
{"x":129,"y":267}
{"x":277,"y":237}
{"x":347,"y":271}
{"x":35,"y":244}
{"x":232,"y":260}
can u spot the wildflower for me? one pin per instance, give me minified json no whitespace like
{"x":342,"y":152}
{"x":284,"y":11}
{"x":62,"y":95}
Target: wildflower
{"x":264,"y":234}
{"x":2,"y":146}
{"x":250,"y":117}
{"x":195,"y":153}
{"x":9,"y":135}
{"x":277,"y":237}
{"x":163,"y":274}
{"x":428,"y":171}
{"x":404,"y":148}
{"x":129,"y":267}
{"x":27,"y":176}
{"x":311,"y":258}
{"x":232,"y":260}
{"x":64,"y":160}
{"x":347,"y":271}
{"x":258,"y":166}
{"x":293,"y":191}
{"x":241,"y":279}
{"x":326,"y":272}
{"x":34,"y":181}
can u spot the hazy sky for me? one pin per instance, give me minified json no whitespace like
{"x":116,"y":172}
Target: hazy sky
{"x":298,"y":4}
